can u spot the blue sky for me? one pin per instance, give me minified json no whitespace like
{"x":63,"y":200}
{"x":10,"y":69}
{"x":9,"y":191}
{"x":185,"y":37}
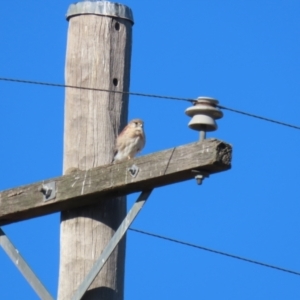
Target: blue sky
{"x":245,"y":54}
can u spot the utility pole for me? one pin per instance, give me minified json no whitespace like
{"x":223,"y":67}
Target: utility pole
{"x":98,"y":56}
{"x":91,"y":194}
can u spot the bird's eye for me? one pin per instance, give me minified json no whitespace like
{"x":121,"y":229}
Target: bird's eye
{"x":136,"y":123}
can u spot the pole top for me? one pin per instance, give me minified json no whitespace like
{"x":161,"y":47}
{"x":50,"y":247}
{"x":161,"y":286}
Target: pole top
{"x":102,"y":8}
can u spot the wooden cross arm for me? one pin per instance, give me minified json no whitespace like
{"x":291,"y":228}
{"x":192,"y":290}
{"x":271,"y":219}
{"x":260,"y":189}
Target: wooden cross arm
{"x":81,"y":188}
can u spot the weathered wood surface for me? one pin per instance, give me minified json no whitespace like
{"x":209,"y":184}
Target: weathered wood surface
{"x":83,"y":188}
{"x":98,"y":56}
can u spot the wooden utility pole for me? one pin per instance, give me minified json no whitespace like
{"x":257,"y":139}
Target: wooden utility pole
{"x":91,"y":194}
{"x":98,"y":56}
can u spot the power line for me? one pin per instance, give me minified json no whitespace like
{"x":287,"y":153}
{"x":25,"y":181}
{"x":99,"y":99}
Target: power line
{"x":148,"y":95}
{"x":95,"y":89}
{"x":259,"y":117}
{"x":215,"y":251}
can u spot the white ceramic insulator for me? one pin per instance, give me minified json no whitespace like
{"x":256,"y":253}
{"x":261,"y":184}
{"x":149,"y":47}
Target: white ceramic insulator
{"x":204,"y":113}
{"x":202,"y":122}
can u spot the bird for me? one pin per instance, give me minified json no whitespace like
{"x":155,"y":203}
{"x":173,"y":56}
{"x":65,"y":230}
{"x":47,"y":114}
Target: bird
{"x":130,"y":141}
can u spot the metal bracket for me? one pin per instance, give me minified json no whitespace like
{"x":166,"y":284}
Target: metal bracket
{"x":107,"y":251}
{"x":48,"y":190}
{"x":200,"y":176}
{"x":133,"y":170}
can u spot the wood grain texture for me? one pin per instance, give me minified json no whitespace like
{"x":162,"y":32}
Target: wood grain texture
{"x":98,"y":56}
{"x":83,"y":188}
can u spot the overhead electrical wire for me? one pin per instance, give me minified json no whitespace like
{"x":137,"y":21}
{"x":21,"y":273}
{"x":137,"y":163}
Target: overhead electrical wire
{"x":148,"y":95}
{"x":215,"y":251}
{"x":178,"y":99}
{"x":94,"y":89}
{"x":259,"y":117}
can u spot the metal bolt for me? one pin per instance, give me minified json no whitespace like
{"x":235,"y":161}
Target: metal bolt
{"x":133,"y":170}
{"x":48,"y":190}
{"x":202,"y":135}
{"x":199,"y":179}
{"x":200,"y":176}
{"x":45,"y":190}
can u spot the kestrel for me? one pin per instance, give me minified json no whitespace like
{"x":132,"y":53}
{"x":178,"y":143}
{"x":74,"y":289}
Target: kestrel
{"x":130,"y":141}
